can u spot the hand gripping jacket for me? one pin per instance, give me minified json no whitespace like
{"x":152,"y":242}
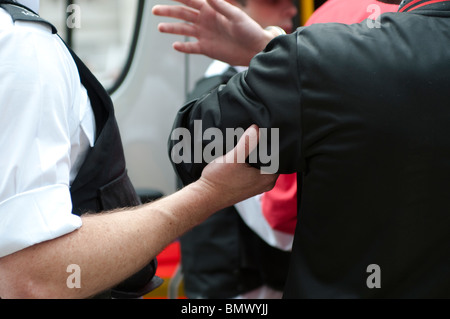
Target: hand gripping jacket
{"x":102,"y":183}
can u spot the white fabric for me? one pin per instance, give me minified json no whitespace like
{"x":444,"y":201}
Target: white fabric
{"x":218,"y":67}
{"x":47,"y":126}
{"x":215,"y":68}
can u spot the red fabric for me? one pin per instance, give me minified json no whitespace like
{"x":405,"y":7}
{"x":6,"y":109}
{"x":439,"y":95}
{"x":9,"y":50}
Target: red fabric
{"x":411,"y":4}
{"x":279,"y":206}
{"x":168,"y":260}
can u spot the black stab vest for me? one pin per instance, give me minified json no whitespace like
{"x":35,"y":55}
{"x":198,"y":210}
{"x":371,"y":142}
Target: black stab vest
{"x":102,"y":184}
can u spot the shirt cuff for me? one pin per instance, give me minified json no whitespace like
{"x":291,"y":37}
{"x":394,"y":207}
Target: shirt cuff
{"x":34,"y":217}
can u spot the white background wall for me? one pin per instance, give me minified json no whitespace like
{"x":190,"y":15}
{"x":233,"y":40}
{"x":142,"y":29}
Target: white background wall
{"x":148,"y":99}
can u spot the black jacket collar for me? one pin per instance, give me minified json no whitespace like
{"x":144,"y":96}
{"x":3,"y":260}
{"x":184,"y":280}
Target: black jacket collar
{"x":411,"y":5}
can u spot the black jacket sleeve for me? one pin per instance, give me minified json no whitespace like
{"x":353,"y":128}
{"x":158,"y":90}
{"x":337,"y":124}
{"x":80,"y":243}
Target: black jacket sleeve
{"x":267,"y":94}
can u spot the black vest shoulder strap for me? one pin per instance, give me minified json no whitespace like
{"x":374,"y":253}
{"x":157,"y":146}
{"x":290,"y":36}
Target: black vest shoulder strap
{"x":19,"y":12}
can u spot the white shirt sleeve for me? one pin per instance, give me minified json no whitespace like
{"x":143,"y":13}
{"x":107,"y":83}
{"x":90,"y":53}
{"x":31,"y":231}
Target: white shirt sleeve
{"x":47,"y":127}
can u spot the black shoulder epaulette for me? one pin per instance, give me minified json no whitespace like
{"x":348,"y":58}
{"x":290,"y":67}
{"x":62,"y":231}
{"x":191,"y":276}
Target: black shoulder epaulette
{"x":22,"y":13}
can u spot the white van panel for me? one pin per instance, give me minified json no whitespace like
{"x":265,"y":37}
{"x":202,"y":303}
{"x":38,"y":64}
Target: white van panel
{"x":149,"y":98}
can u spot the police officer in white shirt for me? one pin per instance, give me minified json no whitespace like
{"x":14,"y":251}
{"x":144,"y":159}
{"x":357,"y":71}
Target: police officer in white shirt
{"x":62,"y":157}
{"x":48,"y":127}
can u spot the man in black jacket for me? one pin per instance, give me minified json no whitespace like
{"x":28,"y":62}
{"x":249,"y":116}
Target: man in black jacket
{"x":362,"y":113}
{"x":67,"y":206}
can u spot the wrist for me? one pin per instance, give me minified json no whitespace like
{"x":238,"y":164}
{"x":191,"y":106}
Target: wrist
{"x":270,"y":33}
{"x":191,"y":205}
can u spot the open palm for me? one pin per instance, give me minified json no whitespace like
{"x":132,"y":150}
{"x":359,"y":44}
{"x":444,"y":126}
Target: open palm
{"x":223,"y":31}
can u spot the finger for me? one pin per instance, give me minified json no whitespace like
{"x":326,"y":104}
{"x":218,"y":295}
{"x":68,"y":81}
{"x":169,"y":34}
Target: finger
{"x":179,"y":28}
{"x":247,"y":143}
{"x":177,"y":12}
{"x":196,"y":4}
{"x":187,"y":47}
{"x":228,"y":10}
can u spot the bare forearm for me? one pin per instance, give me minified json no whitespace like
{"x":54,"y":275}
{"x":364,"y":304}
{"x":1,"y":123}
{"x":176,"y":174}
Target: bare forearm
{"x":245,"y":52}
{"x":110,"y":247}
{"x":107,"y":249}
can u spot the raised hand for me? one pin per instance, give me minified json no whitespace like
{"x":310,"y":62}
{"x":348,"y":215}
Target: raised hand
{"x":223,"y":31}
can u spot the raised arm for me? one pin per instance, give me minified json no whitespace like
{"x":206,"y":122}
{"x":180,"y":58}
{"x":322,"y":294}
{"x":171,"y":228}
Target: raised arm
{"x":110,"y":247}
{"x":223,"y":31}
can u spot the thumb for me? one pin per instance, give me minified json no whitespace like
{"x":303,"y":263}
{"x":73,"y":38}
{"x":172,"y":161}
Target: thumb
{"x":247,"y":144}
